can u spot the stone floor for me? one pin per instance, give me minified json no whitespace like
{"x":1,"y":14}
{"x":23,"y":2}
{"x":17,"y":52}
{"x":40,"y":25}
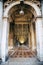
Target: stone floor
{"x":22,"y":56}
{"x":22,"y":52}
{"x":22,"y":61}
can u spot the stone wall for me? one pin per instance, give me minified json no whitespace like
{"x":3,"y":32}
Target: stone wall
{"x":1,"y":10}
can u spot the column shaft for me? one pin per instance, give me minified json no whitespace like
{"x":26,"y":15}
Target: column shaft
{"x":1,"y":23}
{"x":32,"y":37}
{"x":39,"y":39}
{"x":4,"y":43}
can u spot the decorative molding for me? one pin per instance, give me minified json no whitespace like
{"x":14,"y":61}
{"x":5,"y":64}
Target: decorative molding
{"x":10,"y":1}
{"x":5,"y":17}
{"x":38,"y":17}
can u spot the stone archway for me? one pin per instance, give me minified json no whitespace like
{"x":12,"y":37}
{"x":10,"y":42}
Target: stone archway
{"x":4,"y":44}
{"x":36,"y":8}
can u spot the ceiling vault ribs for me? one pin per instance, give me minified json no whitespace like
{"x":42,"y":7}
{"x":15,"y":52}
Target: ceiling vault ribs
{"x":21,"y":22}
{"x":15,"y":15}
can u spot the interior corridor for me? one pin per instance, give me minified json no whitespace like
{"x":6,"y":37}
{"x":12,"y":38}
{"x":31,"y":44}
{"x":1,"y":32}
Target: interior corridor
{"x":21,"y":33}
{"x":22,"y":52}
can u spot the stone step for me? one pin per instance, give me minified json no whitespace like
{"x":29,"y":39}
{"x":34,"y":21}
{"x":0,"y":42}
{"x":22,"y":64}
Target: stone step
{"x":22,"y":61}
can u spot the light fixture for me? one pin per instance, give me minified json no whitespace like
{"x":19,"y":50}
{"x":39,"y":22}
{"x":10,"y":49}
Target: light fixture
{"x":21,"y":4}
{"x":21,"y":39}
{"x":21,"y":12}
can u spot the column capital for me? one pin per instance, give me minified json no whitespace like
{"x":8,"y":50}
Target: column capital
{"x":39,"y":17}
{"x":5,"y":17}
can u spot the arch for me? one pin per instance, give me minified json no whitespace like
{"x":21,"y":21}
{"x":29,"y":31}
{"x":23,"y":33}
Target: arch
{"x":6,"y":26}
{"x":36,"y":8}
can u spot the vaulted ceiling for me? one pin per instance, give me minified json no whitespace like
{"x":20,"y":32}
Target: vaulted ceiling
{"x":27,"y":17}
{"x":17,"y":17}
{"x":24,"y":0}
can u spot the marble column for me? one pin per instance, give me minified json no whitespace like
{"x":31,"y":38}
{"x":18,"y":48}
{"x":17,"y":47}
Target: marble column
{"x":32,"y":37}
{"x":1,"y":23}
{"x":39,"y":39}
{"x":42,"y":28}
{"x":4,"y":43}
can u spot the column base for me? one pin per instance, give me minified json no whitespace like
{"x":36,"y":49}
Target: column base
{"x":40,"y":59}
{"x":40,"y":62}
{"x":5,"y":59}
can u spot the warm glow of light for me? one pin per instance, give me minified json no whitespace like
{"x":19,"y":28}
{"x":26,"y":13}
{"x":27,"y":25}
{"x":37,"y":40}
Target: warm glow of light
{"x":22,"y":40}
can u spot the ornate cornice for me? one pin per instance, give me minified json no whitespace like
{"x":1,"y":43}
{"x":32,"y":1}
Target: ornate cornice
{"x":10,"y":1}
